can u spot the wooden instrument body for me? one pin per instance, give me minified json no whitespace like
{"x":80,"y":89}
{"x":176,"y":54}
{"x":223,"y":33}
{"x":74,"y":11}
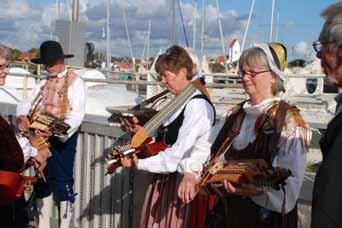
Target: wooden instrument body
{"x":141,"y":140}
{"x":44,"y":121}
{"x":40,"y":143}
{"x":13,"y":185}
{"x":147,"y":149}
{"x":244,"y":174}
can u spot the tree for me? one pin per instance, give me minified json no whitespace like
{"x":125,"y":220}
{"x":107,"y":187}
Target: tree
{"x":15,"y":54}
{"x":36,"y":51}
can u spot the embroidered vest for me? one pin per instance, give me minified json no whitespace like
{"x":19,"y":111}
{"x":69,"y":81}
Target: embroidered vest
{"x":169,"y":133}
{"x":268,"y":129}
{"x":55,"y":95}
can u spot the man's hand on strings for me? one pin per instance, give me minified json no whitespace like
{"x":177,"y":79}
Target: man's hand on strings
{"x":23,"y":123}
{"x":187,"y":187}
{"x":42,"y":133}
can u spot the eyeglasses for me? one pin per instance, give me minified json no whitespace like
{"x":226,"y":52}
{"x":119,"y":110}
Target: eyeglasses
{"x":4,"y":66}
{"x":252,"y":74}
{"x":318,"y":45}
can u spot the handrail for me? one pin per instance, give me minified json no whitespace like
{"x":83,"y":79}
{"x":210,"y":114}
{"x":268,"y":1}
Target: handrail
{"x":139,"y":82}
{"x":230,"y":75}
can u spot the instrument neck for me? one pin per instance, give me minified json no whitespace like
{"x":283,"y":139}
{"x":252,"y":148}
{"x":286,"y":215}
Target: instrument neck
{"x":152,"y":125}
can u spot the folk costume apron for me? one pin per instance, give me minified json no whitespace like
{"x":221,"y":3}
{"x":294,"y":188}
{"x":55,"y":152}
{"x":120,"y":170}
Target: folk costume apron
{"x":162,"y":207}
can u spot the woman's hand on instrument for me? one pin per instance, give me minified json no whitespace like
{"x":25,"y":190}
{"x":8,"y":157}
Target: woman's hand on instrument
{"x":114,"y":153}
{"x":23,"y":123}
{"x":43,"y":133}
{"x":130,"y":124}
{"x":229,"y":187}
{"x":187,"y":187}
{"x":130,"y":161}
{"x":246,"y":190}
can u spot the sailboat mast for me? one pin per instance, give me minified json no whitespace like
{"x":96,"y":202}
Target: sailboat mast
{"x":148,"y":43}
{"x":248,"y":22}
{"x":108,"y":39}
{"x":277,"y":28}
{"x":173,"y":22}
{"x":271,"y":28}
{"x":58,"y":10}
{"x":194,"y":28}
{"x":75,"y":9}
{"x":203,"y":27}
{"x":222,"y":38}
{"x":128,"y":37}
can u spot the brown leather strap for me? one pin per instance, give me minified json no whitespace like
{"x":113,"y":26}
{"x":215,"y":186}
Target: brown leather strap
{"x":230,"y":129}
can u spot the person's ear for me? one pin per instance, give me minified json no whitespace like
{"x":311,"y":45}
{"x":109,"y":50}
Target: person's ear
{"x":183,"y":71}
{"x":274,"y":78}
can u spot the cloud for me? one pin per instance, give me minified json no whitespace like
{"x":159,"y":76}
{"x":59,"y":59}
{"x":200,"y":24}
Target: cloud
{"x":302,"y":49}
{"x":15,"y":10}
{"x":33,"y":25}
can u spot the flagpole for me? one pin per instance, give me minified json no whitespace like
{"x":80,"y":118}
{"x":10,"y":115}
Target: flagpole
{"x":272,"y":15}
{"x":108,"y":39}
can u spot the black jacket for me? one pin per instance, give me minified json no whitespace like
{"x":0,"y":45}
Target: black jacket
{"x":11,"y":155}
{"x":327,"y":192}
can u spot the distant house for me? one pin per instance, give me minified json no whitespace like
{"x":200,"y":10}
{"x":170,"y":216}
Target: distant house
{"x":122,"y":66}
{"x":26,"y":56}
{"x":234,"y":51}
{"x":219,"y":59}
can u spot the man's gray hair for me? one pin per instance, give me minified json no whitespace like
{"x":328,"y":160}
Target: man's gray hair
{"x":332,"y":28}
{"x":4,"y":52}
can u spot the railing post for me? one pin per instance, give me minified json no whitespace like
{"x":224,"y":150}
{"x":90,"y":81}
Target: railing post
{"x":38,"y":73}
{"x":137,"y":78}
{"x":25,"y":82}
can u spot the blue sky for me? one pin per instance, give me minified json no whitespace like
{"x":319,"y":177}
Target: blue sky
{"x":26,"y":23}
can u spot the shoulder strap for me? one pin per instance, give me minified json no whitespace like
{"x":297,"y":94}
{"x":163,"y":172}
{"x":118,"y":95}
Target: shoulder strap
{"x":280,"y":116}
{"x":229,"y":130}
{"x":202,"y":96}
{"x":36,"y":101}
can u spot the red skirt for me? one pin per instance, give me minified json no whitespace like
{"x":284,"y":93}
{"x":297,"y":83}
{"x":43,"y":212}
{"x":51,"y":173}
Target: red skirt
{"x":163,"y":209}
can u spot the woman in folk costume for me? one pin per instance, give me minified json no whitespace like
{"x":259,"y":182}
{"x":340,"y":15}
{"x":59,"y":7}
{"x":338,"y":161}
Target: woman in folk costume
{"x":263,"y":127}
{"x":63,"y":96}
{"x":186,"y":132}
{"x":14,"y":152}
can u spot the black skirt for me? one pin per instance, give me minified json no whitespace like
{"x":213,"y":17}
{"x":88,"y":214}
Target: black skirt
{"x":239,"y":212}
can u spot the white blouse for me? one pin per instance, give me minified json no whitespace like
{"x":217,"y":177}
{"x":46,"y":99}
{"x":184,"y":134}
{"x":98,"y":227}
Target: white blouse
{"x":28,"y":150}
{"x":293,"y":144}
{"x":77,"y":98}
{"x":192,"y":147}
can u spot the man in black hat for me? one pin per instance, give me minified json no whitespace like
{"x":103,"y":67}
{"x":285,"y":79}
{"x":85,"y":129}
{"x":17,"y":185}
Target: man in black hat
{"x":62,"y":95}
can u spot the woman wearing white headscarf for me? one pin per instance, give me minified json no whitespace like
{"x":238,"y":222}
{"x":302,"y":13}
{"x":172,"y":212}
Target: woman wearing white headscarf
{"x":263,"y":127}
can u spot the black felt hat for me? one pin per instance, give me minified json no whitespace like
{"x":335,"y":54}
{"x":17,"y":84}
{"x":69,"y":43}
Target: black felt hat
{"x":50,"y":52}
